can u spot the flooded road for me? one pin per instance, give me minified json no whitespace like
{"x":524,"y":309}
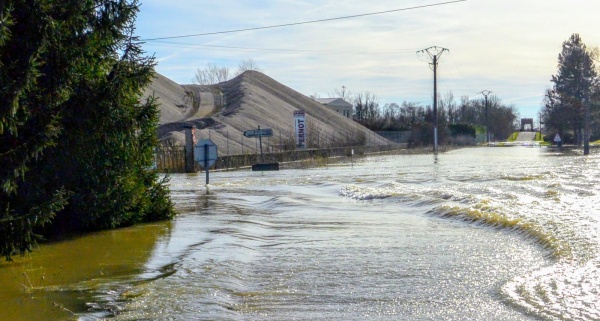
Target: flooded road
{"x":483,"y":233}
{"x":63,"y":280}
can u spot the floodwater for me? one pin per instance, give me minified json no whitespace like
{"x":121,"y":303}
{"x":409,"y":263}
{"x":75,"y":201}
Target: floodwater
{"x":480,"y":234}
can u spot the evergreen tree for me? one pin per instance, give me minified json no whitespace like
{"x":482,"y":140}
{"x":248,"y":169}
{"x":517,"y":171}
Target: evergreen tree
{"x":575,"y":79}
{"x":553,"y":111}
{"x":76,"y":144}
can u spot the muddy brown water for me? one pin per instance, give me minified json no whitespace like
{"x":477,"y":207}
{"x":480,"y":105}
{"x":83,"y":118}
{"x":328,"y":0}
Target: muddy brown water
{"x":57,"y":281}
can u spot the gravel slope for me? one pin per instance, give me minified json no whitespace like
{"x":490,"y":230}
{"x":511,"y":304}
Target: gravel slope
{"x":223,"y":112}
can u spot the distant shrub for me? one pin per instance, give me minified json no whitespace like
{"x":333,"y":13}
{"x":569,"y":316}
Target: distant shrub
{"x":462,"y":130}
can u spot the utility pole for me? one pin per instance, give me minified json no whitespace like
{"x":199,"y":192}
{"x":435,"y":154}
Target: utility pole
{"x":586,"y":131}
{"x":434,"y":54}
{"x":485,"y":94}
{"x":541,"y":135}
{"x":586,"y":105}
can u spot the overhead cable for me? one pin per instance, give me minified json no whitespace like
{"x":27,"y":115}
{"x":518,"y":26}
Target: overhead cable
{"x":304,"y":22}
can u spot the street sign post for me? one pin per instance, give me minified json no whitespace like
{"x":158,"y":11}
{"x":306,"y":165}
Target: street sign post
{"x":265,"y":132}
{"x":557,"y":140}
{"x":206,"y":154}
{"x":260,"y":133}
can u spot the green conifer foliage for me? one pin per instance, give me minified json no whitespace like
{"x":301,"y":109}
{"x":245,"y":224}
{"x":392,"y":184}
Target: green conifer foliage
{"x":76,"y":144}
{"x":576,"y":78}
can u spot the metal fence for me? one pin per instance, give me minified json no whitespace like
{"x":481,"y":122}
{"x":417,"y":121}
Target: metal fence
{"x":170,"y":159}
{"x":279,"y":147}
{"x":398,"y":137}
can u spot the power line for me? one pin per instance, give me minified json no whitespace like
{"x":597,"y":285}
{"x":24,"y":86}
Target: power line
{"x":220,"y":47}
{"x":304,"y":22}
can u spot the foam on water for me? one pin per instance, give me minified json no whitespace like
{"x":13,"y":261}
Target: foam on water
{"x":557,"y":208}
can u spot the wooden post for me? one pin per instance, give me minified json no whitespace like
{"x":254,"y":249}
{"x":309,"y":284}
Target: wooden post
{"x":189,"y":149}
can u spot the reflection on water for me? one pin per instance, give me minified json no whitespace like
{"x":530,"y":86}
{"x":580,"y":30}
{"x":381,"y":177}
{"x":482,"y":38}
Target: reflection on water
{"x":476,"y":234}
{"x":59,"y":280}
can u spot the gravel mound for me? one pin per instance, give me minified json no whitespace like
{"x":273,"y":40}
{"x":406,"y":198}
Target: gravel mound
{"x":224,"y":111}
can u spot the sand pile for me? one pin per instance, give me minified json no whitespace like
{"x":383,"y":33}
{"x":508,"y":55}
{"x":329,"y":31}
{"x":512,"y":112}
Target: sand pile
{"x":223,"y":112}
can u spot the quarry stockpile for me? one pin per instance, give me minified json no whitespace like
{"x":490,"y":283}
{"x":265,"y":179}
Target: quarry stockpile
{"x":222,"y":112}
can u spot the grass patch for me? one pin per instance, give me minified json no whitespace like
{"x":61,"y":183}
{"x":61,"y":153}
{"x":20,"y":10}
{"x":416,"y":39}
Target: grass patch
{"x":539,"y":137}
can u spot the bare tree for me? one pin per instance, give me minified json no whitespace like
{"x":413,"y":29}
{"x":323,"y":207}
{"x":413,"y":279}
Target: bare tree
{"x":248,"y":64}
{"x":366,"y":109}
{"x":448,"y":103}
{"x":343,"y":93}
{"x":211,"y":74}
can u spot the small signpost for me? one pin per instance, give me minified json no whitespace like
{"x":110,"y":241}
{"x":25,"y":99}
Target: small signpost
{"x":557,"y":140}
{"x":206,"y":155}
{"x":260,"y":133}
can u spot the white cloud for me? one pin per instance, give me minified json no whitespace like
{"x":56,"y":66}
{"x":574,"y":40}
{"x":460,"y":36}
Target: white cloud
{"x":509,"y":47}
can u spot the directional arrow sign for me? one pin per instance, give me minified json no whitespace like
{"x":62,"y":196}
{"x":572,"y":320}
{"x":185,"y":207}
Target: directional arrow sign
{"x":264,"y":132}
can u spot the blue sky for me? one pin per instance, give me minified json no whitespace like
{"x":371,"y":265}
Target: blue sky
{"x":508,"y":47}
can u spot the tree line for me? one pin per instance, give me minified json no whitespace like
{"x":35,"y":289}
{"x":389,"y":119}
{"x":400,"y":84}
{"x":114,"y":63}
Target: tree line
{"x":574,"y":95}
{"x":465,"y":116}
{"x":76,"y":142}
